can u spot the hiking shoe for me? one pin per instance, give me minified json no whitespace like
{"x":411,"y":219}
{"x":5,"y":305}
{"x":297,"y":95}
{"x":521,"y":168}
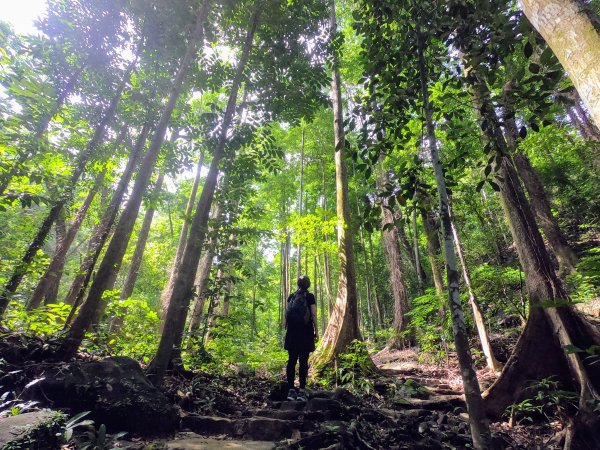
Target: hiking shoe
{"x":301,"y":395}
{"x":291,"y":395}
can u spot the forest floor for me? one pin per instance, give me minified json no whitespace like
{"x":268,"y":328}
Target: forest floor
{"x":409,"y":403}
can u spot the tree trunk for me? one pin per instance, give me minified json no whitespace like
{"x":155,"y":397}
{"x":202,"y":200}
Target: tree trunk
{"x":380,"y":320}
{"x":417,"y":256}
{"x":102,"y":230}
{"x":113,"y":258}
{"x":182,"y":288}
{"x":567,"y":28}
{"x":300,"y":194}
{"x":47,"y":288}
{"x":433,"y":250}
{"x":479,"y":425}
{"x":540,"y":350}
{"x":342,"y":327}
{"x":140,"y":246}
{"x":82,"y":160}
{"x":484,"y":338}
{"x":390,"y":240}
{"x":567,"y":260}
{"x":182,"y":236}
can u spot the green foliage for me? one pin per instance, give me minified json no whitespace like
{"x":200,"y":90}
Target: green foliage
{"x":44,"y":321}
{"x":137,"y":336}
{"x":354,"y":367}
{"x":584,"y":284}
{"x":548,"y":401}
{"x":90,"y":438}
{"x":431,"y":331}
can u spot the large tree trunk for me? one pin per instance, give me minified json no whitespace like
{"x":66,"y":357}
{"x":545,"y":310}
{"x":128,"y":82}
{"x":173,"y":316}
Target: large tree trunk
{"x":484,"y":338}
{"x":540,"y":350}
{"x":118,"y":245}
{"x":479,"y":425}
{"x":342,"y":327}
{"x":47,"y":288}
{"x":182,"y":237}
{"x":569,"y":31}
{"x":82,"y":160}
{"x":390,"y":241}
{"x":567,"y":260}
{"x":376,"y":302}
{"x":182,"y":288}
{"x":102,"y":230}
{"x":300,"y":195}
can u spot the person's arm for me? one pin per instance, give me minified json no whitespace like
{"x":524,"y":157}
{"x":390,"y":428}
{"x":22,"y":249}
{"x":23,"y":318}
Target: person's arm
{"x":313,"y":313}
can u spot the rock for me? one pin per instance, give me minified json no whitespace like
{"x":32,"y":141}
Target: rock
{"x":459,"y":410}
{"x":280,"y":414}
{"x":202,"y":443}
{"x":442,"y":419}
{"x":114,"y":390}
{"x":416,"y":413}
{"x":331,"y":409}
{"x":279,"y":393}
{"x":437,"y":402}
{"x":210,"y":425}
{"x":423,"y":427}
{"x":292,"y":406}
{"x":31,"y":430}
{"x":265,"y":429}
{"x":345,"y":396}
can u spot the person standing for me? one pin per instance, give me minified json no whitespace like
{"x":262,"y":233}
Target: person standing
{"x":301,"y":335}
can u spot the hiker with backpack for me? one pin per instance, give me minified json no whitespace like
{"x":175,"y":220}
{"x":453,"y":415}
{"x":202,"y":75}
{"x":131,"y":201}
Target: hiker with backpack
{"x":301,"y":335}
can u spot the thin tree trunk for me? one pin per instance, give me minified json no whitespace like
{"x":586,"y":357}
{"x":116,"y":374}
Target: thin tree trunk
{"x":118,"y":245}
{"x":182,"y":288}
{"x":433,"y":250}
{"x":417,"y":255}
{"x":102,"y":231}
{"x":479,"y":425}
{"x":82,"y":160}
{"x":342,"y":327}
{"x":484,"y":338}
{"x":47,"y":288}
{"x":390,"y":241}
{"x":376,"y":296}
{"x":300,"y":194}
{"x":182,"y":237}
{"x":140,"y":246}
{"x":567,"y":28}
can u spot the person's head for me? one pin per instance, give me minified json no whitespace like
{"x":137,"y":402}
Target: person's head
{"x":304,"y":282}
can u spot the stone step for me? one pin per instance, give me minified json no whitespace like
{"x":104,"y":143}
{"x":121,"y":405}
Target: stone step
{"x":436,"y":402}
{"x":191,"y":441}
{"x":35,"y":426}
{"x":255,"y":428}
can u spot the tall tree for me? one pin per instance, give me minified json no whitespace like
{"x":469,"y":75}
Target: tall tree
{"x":342,"y":327}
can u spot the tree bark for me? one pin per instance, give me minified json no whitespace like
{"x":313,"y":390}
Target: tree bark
{"x":342,"y":327}
{"x":433,"y":250}
{"x":479,"y":425}
{"x":47,"y":288}
{"x":567,"y":28}
{"x":417,"y":255}
{"x":82,"y":160}
{"x":182,"y":288}
{"x":113,"y":258}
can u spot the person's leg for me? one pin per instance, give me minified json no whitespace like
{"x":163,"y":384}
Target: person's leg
{"x":303,"y":356}
{"x":291,"y":368}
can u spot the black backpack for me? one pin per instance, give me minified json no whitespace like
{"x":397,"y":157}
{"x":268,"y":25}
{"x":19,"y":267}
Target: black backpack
{"x":297,"y":313}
